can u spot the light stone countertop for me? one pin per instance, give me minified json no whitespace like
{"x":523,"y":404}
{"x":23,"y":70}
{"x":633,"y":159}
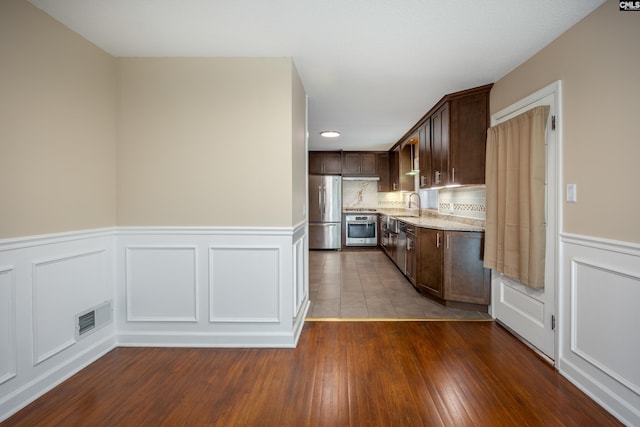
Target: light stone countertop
{"x":439,"y":224}
{"x":435,"y":221}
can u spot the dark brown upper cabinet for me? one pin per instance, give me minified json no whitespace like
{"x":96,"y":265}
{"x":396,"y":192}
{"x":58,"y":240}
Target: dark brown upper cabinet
{"x":382,"y":159}
{"x":440,"y":146}
{"x":359,"y":163}
{"x":325,"y":162}
{"x":424,"y":148}
{"x":453,"y":138}
{"x":394,"y":169}
{"x":468,"y":123}
{"x":406,"y":170}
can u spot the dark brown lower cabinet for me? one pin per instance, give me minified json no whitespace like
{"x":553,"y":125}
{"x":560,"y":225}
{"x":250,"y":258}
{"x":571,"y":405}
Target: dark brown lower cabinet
{"x":411,"y":254}
{"x":429,"y":259}
{"x":450,"y":268}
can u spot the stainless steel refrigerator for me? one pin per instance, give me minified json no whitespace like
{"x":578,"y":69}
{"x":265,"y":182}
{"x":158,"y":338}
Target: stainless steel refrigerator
{"x":325,"y":212}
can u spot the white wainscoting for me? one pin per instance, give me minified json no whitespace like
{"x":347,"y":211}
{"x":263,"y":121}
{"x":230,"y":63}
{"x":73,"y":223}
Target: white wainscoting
{"x":250,"y":284}
{"x":244,"y":284}
{"x":600,"y":322}
{"x":208,"y":287}
{"x":45,"y":281}
{"x":8,"y":346}
{"x":161,"y":284}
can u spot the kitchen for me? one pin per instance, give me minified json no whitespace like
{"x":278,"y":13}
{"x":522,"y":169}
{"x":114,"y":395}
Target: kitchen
{"x":159,"y":196}
{"x":383,"y":201}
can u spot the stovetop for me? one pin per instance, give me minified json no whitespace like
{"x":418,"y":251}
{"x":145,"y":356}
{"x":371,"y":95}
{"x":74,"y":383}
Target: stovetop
{"x":360,"y":210}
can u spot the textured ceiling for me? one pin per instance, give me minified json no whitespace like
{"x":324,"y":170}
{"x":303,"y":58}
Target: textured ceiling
{"x":371,"y":68}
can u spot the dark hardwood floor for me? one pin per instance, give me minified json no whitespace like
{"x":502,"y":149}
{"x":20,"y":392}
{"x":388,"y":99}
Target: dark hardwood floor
{"x":341,"y":374}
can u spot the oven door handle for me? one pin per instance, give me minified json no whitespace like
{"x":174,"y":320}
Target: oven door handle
{"x":361,"y":222}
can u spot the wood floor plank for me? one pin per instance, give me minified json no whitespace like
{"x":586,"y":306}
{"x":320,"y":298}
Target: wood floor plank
{"x":341,"y":374}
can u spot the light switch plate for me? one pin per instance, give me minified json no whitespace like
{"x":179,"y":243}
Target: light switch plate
{"x":572,"y":193}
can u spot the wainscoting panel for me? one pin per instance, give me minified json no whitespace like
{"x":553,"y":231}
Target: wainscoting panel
{"x":161,"y":284}
{"x":62,"y":285}
{"x":299,"y":274}
{"x":7,"y":324}
{"x":45,"y":282}
{"x":244,"y":284}
{"x":597,"y":288}
{"x":600,"y":343}
{"x":248,"y":281}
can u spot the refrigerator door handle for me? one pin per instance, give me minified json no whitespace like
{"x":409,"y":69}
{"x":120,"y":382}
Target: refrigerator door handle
{"x":324,"y":200}
{"x":320,"y":199}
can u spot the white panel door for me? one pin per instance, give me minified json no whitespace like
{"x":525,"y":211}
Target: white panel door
{"x":527,"y":311}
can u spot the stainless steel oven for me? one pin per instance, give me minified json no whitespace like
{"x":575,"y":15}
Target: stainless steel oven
{"x":362,"y":230}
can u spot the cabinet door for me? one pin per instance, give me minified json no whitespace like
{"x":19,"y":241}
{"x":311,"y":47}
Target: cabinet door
{"x":394,"y":169}
{"x":315,"y":162}
{"x":407,"y":182}
{"x":411,"y":258}
{"x":332,"y":163}
{"x":383,"y":171}
{"x":350,"y":163}
{"x":429,"y":258}
{"x":440,"y":145}
{"x":368,"y":164}
{"x":425,"y":154}
{"x":469,"y":119}
{"x":393,"y":246}
{"x":465,"y":278}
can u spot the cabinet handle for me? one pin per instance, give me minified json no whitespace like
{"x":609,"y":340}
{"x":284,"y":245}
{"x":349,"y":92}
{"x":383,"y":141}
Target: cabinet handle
{"x":437,"y":177}
{"x":453,"y":175}
{"x":448,"y":238}
{"x":437,"y":240}
{"x":421,"y":180}
{"x":394,"y":186}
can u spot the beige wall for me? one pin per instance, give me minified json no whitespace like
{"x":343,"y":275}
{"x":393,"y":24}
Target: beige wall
{"x":599,"y":65}
{"x":299,"y":149}
{"x":204,"y":141}
{"x":90,"y":141}
{"x":57,"y":126}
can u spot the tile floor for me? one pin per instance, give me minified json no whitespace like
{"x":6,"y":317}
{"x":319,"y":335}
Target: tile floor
{"x":366,"y":284}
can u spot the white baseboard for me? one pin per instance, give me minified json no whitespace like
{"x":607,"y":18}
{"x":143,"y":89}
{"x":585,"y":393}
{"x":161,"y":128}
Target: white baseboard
{"x":27,"y":393}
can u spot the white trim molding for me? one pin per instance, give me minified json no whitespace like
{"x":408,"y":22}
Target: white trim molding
{"x":600,"y":344}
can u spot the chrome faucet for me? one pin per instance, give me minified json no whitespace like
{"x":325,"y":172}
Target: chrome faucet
{"x":419,"y":203}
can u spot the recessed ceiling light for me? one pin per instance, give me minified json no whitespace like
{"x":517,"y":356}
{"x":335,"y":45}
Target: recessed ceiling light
{"x":330,"y":133}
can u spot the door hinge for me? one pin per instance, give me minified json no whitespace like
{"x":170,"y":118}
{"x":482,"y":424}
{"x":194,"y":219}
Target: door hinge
{"x":553,"y":322}
{"x":553,"y":122}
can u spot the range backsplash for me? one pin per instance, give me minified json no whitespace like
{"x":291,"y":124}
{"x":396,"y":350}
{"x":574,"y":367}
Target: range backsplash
{"x":359,"y":194}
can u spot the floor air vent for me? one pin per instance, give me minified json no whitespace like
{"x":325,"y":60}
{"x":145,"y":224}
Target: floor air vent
{"x":93,"y":319}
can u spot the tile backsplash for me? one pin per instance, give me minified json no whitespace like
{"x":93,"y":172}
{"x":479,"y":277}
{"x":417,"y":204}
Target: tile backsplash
{"x":469,"y":202}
